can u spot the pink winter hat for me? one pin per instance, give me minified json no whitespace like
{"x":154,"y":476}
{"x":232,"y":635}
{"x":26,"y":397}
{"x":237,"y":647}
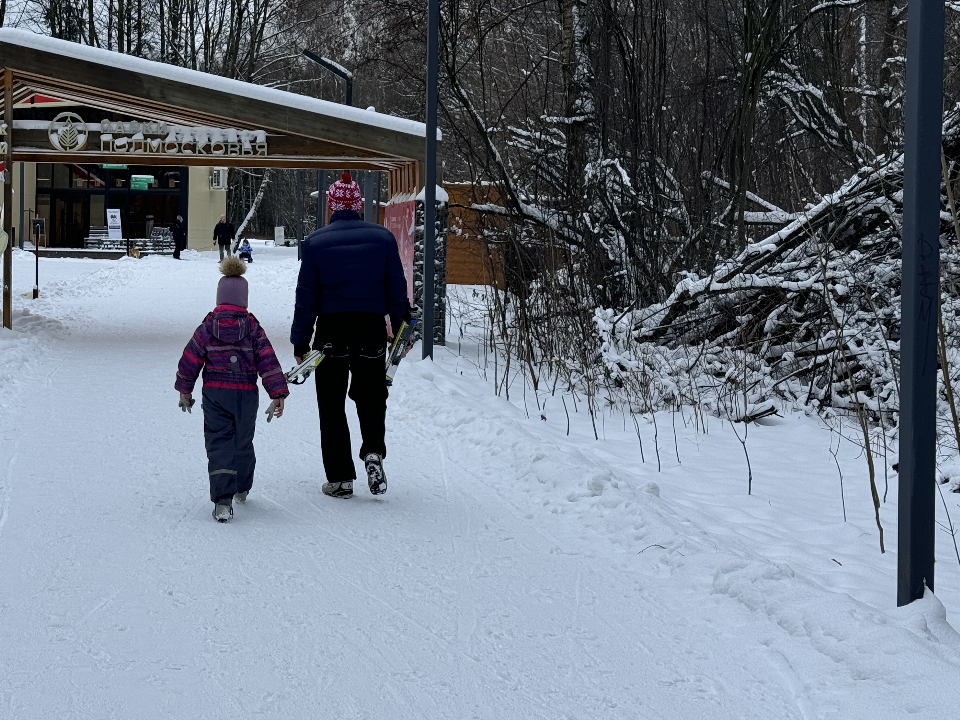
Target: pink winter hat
{"x":233,"y":289}
{"x":344,"y":195}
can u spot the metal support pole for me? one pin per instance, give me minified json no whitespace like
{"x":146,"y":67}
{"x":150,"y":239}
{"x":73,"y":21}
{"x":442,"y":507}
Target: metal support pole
{"x":430,"y":191}
{"x":302,"y":211}
{"x":368,"y":195}
{"x":8,"y":200}
{"x":20,"y":232}
{"x":36,"y":264}
{"x":923,"y":121}
{"x":321,"y":198}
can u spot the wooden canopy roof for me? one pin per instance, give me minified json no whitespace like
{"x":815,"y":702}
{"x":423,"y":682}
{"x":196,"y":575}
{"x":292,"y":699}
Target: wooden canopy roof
{"x":299,"y":131}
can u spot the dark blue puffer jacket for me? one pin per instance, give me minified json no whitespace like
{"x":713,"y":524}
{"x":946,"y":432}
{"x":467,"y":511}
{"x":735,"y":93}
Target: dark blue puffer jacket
{"x":348,"y":266}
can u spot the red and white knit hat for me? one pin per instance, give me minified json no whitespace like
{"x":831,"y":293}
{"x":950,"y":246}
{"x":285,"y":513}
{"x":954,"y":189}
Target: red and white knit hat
{"x":344,"y":195}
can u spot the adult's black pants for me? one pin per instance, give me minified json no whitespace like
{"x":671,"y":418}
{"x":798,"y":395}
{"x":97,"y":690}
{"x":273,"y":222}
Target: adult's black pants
{"x":356,"y":357}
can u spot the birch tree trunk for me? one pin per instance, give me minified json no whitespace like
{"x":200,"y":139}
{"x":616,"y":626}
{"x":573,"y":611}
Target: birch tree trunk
{"x":253,"y":208}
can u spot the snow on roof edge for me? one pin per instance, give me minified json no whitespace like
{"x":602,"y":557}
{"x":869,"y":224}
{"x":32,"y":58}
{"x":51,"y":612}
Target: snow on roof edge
{"x":213,"y":82}
{"x":442,"y":196}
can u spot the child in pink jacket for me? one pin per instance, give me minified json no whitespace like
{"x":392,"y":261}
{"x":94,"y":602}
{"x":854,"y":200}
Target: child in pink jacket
{"x":232,"y":350}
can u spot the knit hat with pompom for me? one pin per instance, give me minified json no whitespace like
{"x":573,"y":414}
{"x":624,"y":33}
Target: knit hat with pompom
{"x":233,"y":289}
{"x":344,"y":194}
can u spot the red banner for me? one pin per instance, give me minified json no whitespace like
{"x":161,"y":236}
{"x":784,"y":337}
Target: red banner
{"x":399,"y":219}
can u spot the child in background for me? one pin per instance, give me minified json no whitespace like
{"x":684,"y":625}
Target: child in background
{"x":232,"y":349}
{"x":246,"y":252}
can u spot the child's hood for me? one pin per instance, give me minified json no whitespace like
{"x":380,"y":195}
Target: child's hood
{"x":229,"y":323}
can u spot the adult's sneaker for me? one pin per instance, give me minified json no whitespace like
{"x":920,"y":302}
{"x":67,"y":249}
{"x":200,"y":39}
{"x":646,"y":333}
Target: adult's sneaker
{"x":338,"y":489}
{"x":376,"y":477}
{"x":222,"y":512}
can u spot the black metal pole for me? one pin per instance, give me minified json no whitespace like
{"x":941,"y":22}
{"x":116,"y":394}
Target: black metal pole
{"x":302,"y":209}
{"x":430,"y":188}
{"x":21,"y":205}
{"x":368,"y":195}
{"x":36,"y":256}
{"x":321,"y":198}
{"x":923,"y":125}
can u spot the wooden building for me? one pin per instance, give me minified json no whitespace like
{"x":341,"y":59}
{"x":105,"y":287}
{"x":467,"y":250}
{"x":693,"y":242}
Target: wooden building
{"x":176,"y":125}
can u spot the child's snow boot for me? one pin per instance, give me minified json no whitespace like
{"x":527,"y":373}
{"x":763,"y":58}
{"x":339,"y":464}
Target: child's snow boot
{"x":376,"y":477}
{"x":338,"y":489}
{"x":241,"y":497}
{"x":222,"y":512}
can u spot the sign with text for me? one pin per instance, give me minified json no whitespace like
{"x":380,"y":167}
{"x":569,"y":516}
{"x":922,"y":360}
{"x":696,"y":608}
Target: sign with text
{"x":114,"y":229}
{"x":160,"y":138}
{"x":69,"y":132}
{"x":141,"y":182}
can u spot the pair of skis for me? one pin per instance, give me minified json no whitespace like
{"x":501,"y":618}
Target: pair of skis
{"x":399,"y":347}
{"x":298,"y":374}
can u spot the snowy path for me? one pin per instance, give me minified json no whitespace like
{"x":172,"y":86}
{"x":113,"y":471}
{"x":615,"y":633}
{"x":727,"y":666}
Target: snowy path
{"x":510,"y":572}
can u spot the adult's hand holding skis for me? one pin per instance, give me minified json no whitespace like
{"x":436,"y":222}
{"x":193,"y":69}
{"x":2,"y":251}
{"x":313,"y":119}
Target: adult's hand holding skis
{"x":300,"y":352}
{"x":399,"y":347}
{"x":307,"y":361}
{"x":186,"y":403}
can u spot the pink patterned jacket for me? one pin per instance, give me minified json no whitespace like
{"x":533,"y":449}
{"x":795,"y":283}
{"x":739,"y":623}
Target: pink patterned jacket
{"x":232,"y":349}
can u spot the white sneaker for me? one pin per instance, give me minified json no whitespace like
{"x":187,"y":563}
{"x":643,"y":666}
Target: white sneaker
{"x":222,"y":513}
{"x":376,"y":477}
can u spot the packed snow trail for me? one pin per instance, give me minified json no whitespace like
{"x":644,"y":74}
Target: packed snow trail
{"x":509,"y":573}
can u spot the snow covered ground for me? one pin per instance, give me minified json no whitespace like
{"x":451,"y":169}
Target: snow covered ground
{"x":512,"y":571}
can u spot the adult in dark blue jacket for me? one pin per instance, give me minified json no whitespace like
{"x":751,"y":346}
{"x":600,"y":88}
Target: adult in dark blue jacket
{"x":350,"y":279}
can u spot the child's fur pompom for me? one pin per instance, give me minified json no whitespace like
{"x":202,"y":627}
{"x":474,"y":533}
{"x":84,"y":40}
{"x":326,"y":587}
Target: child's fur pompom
{"x":232,"y":266}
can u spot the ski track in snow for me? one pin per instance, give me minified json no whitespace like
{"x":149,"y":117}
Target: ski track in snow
{"x":510,"y":572}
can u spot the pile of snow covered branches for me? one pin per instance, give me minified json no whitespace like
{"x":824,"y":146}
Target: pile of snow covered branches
{"x":809,"y":315}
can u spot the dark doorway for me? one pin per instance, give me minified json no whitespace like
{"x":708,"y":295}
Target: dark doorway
{"x":71,"y":219}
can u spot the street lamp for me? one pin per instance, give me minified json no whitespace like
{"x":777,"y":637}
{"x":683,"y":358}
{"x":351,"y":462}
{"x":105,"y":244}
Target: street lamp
{"x":337,"y":69}
{"x":347,"y":76}
{"x":920,"y":297}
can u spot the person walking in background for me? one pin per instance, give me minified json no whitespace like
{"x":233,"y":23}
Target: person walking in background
{"x":223,"y":236}
{"x":350,"y":278}
{"x":232,"y":349}
{"x":179,"y":230}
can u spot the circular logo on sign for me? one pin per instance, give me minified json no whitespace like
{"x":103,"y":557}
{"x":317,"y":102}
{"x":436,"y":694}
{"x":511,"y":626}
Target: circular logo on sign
{"x":68,"y":132}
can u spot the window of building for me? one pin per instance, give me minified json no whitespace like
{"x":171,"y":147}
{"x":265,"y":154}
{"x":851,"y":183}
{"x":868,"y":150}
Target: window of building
{"x":61,"y":176}
{"x":44,"y":175}
{"x":98,"y":215}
